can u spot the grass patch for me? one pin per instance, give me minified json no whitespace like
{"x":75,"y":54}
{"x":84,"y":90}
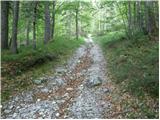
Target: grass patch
{"x":134,"y":64}
{"x":61,"y":48}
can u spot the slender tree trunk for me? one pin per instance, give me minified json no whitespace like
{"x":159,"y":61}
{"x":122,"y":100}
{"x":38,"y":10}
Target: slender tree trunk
{"x":150,"y":19}
{"x":135,"y":14}
{"x":47,"y":23}
{"x":77,"y":24}
{"x":139,"y":15}
{"x":53,"y":20}
{"x":14,"y":27}
{"x":129,"y":17}
{"x":146,"y":17}
{"x":27,"y":33}
{"x":4,"y":24}
{"x":34,"y":25}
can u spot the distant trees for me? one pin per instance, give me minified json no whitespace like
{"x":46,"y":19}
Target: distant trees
{"x":143,"y":17}
{"x":4,"y":24}
{"x":131,"y":16}
{"x":73,"y":18}
{"x":15,"y":27}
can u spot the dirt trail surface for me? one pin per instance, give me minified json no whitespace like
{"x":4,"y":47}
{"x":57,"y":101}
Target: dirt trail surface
{"x":76,"y":90}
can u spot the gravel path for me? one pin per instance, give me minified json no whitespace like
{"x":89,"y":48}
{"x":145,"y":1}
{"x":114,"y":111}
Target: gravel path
{"x":75,"y":91}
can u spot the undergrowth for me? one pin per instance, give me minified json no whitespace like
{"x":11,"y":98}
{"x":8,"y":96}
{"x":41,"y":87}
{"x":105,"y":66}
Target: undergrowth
{"x":134,"y":67}
{"x":62,"y":48}
{"x":133,"y":63}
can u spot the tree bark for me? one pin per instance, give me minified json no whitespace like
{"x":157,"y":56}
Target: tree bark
{"x":135,"y":14}
{"x":47,"y":23}
{"x":53,"y":20}
{"x":129,"y":19}
{"x":4,"y":24}
{"x":34,"y":25}
{"x":139,"y":15}
{"x":15,"y":27}
{"x":27,"y":33}
{"x":77,"y":24}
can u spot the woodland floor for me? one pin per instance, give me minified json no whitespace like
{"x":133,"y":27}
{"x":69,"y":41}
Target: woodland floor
{"x":81,"y":89}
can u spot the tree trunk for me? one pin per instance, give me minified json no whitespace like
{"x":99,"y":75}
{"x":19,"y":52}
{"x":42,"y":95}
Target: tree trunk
{"x":139,"y":15}
{"x":14,"y":27}
{"x":77,"y":24}
{"x":135,"y":14}
{"x":146,"y":17}
{"x":47,"y":23}
{"x":27,"y":33}
{"x":34,"y":25}
{"x":129,"y":18}
{"x":4,"y":24}
{"x":53,"y":20}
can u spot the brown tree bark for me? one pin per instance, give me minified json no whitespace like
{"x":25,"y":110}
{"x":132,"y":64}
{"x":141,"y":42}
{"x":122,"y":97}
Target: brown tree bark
{"x":53,"y":20}
{"x":34,"y":25}
{"x":47,"y":23}
{"x":15,"y":27}
{"x":4,"y":24}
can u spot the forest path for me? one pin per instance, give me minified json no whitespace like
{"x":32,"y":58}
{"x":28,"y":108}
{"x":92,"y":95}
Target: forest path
{"x":77,"y":90}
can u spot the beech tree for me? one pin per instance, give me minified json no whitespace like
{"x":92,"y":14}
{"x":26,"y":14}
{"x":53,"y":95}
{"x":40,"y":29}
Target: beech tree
{"x":47,"y":23}
{"x":34,"y":24}
{"x":4,"y":24}
{"x":15,"y":27}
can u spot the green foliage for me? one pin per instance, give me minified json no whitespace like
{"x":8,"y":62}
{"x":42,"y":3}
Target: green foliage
{"x":134,"y":64}
{"x":62,"y":48}
{"x":61,"y":45}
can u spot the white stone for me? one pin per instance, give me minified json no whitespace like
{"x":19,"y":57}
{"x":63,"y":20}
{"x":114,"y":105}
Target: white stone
{"x":7,"y":111}
{"x":53,"y":102}
{"x":57,"y":114}
{"x":49,"y":96}
{"x":38,"y":100}
{"x":69,"y":89}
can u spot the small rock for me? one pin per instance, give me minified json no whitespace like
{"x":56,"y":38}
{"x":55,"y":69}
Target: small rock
{"x":49,"y":96}
{"x":78,"y":61}
{"x":50,"y":91}
{"x":41,"y":113}
{"x":38,"y":82}
{"x":106,"y":90}
{"x":18,"y":107}
{"x":60,"y":70}
{"x":66,"y":95}
{"x":53,"y":102}
{"x":60,"y":101}
{"x":65,"y":116}
{"x":69,"y":89}
{"x":14,"y":115}
{"x":38,"y":100}
{"x":57,"y":114}
{"x":16,"y":98}
{"x":7,"y":111}
{"x":45,"y":90}
{"x":40,"y":86}
{"x":10,"y":107}
{"x":53,"y":83}
{"x":59,"y":81}
{"x":94,"y":82}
